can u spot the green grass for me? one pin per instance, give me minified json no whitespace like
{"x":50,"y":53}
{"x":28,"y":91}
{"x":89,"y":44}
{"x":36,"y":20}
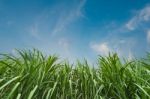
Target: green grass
{"x":31,"y":75}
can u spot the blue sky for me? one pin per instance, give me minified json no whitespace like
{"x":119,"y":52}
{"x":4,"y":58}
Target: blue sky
{"x":76,"y":28}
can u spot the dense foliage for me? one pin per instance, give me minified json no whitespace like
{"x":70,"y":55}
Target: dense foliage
{"x":31,"y":75}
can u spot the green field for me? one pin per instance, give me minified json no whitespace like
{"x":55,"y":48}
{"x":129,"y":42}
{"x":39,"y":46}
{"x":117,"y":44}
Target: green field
{"x":29,"y":74}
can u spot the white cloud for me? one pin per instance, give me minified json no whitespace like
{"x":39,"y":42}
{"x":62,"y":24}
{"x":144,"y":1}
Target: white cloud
{"x":101,"y":48}
{"x":140,"y":17}
{"x":124,"y":47}
{"x":131,"y":25}
{"x":122,"y":39}
{"x":66,"y":18}
{"x":33,"y":30}
{"x":54,"y":20}
{"x":148,"y":36}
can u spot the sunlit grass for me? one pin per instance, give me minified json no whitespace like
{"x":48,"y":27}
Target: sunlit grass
{"x":32,"y":75}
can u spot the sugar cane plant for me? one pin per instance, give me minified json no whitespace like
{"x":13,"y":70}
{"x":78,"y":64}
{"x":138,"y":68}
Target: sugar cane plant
{"x":29,"y":74}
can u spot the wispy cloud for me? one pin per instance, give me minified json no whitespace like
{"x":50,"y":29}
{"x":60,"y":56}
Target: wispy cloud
{"x":122,"y":47}
{"x":114,"y":41}
{"x":141,"y":21}
{"x":139,"y":18}
{"x":124,"y":38}
{"x":34,"y":31}
{"x":66,"y":18}
{"x":55,"y":20}
{"x":101,"y":48}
